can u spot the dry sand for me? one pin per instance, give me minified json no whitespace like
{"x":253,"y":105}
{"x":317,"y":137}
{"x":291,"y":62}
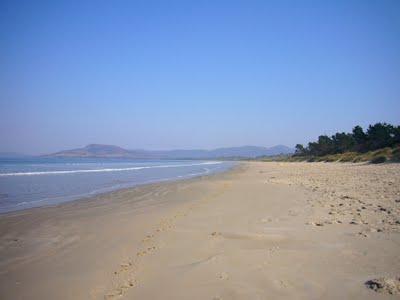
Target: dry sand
{"x":261,"y":231}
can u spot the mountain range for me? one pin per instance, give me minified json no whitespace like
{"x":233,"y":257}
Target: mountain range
{"x":98,"y":150}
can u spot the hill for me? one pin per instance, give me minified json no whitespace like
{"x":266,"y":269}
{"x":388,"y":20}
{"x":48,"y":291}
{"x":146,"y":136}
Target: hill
{"x":98,"y":150}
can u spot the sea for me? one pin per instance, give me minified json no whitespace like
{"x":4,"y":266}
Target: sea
{"x":44,"y":181}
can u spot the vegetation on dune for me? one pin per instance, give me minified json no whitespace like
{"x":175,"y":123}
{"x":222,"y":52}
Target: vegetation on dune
{"x":380,"y":143}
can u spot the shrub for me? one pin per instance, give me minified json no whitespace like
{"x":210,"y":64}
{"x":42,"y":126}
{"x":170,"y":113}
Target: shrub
{"x":357,"y":159}
{"x":348,"y":156}
{"x":330,"y":159}
{"x":379,"y":159}
{"x":396,"y":154}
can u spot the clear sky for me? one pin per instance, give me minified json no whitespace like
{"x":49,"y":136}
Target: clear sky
{"x":194,"y":74}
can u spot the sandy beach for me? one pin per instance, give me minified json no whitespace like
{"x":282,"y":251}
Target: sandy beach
{"x":260,"y":231}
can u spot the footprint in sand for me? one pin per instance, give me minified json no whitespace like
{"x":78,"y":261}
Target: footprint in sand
{"x":141,"y":253}
{"x":148,"y":238}
{"x":279,"y":283}
{"x":223,"y":276}
{"x":215,"y":233}
{"x":162,"y":226}
{"x":118,"y":292}
{"x":126,"y":266}
{"x":267,"y":220}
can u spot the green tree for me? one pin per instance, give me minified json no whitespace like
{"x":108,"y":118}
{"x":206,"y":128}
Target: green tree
{"x":313,"y":148}
{"x":396,"y":135}
{"x":300,"y":150}
{"x":379,"y":136}
{"x":360,"y":139}
{"x":325,"y":145}
{"x":343,"y":142}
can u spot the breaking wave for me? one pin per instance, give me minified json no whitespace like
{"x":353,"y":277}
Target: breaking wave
{"x":105,"y":170}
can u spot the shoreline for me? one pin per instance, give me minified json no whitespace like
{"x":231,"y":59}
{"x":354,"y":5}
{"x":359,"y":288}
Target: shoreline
{"x":92,"y":197}
{"x":257,"y":230}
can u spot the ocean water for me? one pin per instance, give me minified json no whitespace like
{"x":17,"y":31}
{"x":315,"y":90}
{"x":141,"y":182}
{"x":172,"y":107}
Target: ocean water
{"x":34,"y":182}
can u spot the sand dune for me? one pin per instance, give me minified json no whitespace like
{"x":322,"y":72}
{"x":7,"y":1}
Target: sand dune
{"x":261,"y":231}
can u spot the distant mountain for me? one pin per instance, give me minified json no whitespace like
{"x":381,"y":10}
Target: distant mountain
{"x":94,"y":150}
{"x":98,"y":150}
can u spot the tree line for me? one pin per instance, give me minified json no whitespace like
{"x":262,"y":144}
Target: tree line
{"x":377,"y":136}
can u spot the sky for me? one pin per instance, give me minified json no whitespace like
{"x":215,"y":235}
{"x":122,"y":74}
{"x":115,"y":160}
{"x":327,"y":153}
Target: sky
{"x":194,"y":74}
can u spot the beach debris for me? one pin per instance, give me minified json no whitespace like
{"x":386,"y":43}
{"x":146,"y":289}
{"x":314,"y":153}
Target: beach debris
{"x":385,"y":285}
{"x":126,"y":265}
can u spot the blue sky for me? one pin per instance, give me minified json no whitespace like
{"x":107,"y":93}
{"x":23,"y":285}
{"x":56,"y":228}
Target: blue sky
{"x":194,"y":74}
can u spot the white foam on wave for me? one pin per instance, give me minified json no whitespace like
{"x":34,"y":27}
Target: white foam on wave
{"x":105,"y":170}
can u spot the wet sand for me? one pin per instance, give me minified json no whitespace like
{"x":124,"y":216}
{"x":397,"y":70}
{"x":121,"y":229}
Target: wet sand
{"x":261,"y":231}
